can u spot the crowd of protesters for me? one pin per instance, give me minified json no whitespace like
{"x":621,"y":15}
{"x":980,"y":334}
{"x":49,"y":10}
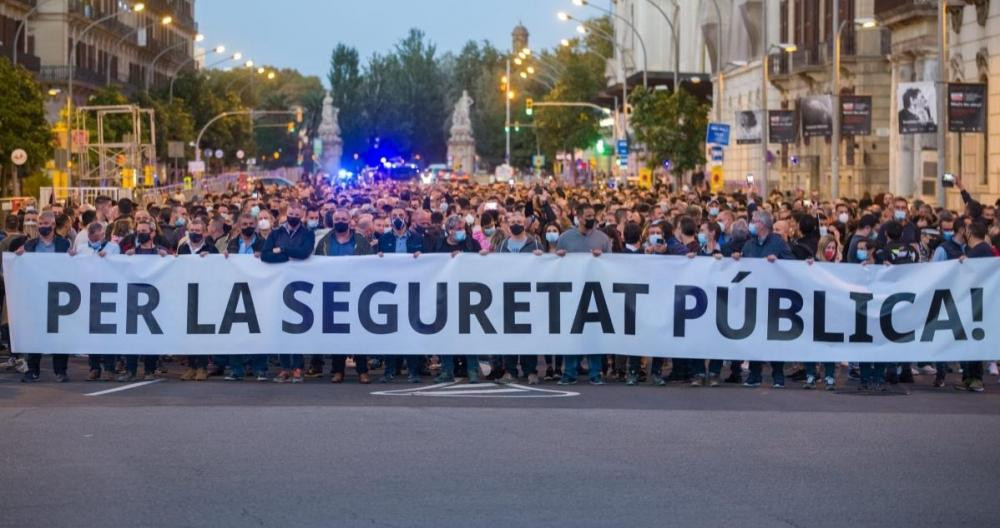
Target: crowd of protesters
{"x":313,"y":219}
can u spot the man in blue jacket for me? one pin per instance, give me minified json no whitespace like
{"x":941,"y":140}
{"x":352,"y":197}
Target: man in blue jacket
{"x":291,"y":240}
{"x":401,"y":239}
{"x":765,"y":244}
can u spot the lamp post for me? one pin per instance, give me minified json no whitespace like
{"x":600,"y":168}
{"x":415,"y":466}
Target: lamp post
{"x":69,"y":96}
{"x":197,"y":38}
{"x":718,"y":61}
{"x":166,"y":21}
{"x":645,"y":64}
{"x":22,"y":25}
{"x":173,"y":77}
{"x":835,"y":90}
{"x":942,"y":89}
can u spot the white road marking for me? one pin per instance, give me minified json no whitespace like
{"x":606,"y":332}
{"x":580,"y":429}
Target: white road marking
{"x":124,"y":387}
{"x":511,"y":390}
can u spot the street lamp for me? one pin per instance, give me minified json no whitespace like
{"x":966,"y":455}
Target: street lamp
{"x":864,"y":23}
{"x":583,"y":29}
{"x":73,"y":40}
{"x":673,"y":31}
{"x":23,"y":25}
{"x":220,"y":49}
{"x":165,"y":21}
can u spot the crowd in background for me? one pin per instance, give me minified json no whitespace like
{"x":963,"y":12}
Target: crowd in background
{"x":314,"y":219}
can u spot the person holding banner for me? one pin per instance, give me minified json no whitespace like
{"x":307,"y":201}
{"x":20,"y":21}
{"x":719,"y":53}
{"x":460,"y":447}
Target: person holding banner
{"x":827,"y":250}
{"x":46,"y":242}
{"x":291,"y":241}
{"x":764,"y":243}
{"x":519,"y":242}
{"x":977,"y":247}
{"x":457,"y":240}
{"x":400,"y":239}
{"x":586,"y":238}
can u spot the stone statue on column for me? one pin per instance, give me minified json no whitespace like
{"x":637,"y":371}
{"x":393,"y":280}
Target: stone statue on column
{"x":329,"y":135}
{"x":462,"y":144}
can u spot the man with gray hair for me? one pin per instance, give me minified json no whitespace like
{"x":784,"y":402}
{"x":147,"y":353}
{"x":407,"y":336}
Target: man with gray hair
{"x":764,"y":243}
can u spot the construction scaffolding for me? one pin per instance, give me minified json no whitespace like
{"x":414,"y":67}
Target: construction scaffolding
{"x":125,"y":145}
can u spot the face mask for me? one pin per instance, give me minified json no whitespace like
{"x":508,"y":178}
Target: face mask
{"x":247,"y":231}
{"x":489,"y":231}
{"x":180,"y":222}
{"x":45,"y":231}
{"x":341,"y":227}
{"x":655,"y":239}
{"x":899,"y":215}
{"x":469,"y":219}
{"x":264,"y":224}
{"x":873,"y":236}
{"x":516,"y":229}
{"x":443,"y":207}
{"x":713,"y":211}
{"x":254,"y":211}
{"x":948,"y":235}
{"x":398,"y":224}
{"x":823,"y":230}
{"x":420,"y":230}
{"x":96,"y":246}
{"x":722,"y":226}
{"x":862,"y":255}
{"x":589,"y":224}
{"x":753,"y":229}
{"x":551,"y":237}
{"x":829,"y":254}
{"x":293,"y":222}
{"x":312,"y":224}
{"x":196,"y":237}
{"x":387,"y":230}
{"x":460,"y":236}
{"x":843,"y":218}
{"x":30,"y":223}
{"x":142,"y":238}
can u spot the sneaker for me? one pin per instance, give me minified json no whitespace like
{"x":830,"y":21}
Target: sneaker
{"x":831,"y":383}
{"x":262,"y":376}
{"x":928,"y":370}
{"x":188,"y":375}
{"x":233,"y":377}
{"x":29,"y":377}
{"x":632,"y":379}
{"x":313,"y":373}
{"x":338,"y":377}
{"x":364,"y":379}
{"x":778,"y":385}
{"x":108,"y":376}
{"x":200,"y":374}
{"x":549,"y":374}
{"x":62,"y":378}
{"x":939,"y":382}
{"x":128,"y":377}
{"x":810,"y":382}
{"x":697,"y":381}
{"x":532,"y":379}
{"x":994,"y":371}
{"x":282,"y":377}
{"x":94,"y":375}
{"x":507,"y":378}
{"x":150,"y":376}
{"x":976,"y":385}
{"x":413,"y":379}
{"x":297,"y":376}
{"x":751,"y":383}
{"x":657,"y":381}
{"x":596,"y":381}
{"x":387,"y":378}
{"x":713,"y":380}
{"x":567,"y":381}
{"x":444,"y":378}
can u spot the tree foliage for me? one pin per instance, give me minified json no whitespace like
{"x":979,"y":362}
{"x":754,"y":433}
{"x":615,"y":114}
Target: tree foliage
{"x":22,"y":123}
{"x":671,"y":126}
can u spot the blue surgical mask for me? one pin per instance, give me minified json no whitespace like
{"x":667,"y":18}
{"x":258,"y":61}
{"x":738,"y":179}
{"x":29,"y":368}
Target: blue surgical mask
{"x":254,"y":211}
{"x":713,"y":211}
{"x":96,"y":246}
{"x":948,"y":235}
{"x":823,"y":231}
{"x":489,"y":231}
{"x":753,"y":229}
{"x":899,"y":214}
{"x":655,"y":239}
{"x":551,"y":237}
{"x":180,"y":222}
{"x":702,"y":239}
{"x":460,"y":236}
{"x":312,"y":224}
{"x":862,"y":255}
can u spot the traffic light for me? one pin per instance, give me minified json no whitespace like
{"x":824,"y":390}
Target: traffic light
{"x":599,"y":147}
{"x":529,"y":106}
{"x":517,"y":127}
{"x":291,"y":127}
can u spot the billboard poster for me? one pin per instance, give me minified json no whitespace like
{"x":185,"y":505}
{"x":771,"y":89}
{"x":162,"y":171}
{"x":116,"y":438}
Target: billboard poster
{"x":748,"y":127}
{"x":966,"y":107}
{"x":856,"y":115}
{"x":917,"y":110}
{"x":817,"y":115}
{"x":782,"y":126}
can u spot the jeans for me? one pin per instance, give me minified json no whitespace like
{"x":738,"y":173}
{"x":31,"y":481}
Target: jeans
{"x":338,"y":364}
{"x":237,"y":365}
{"x":448,"y":365}
{"x":529,"y":364}
{"x":655,"y":367}
{"x":873,"y":373}
{"x":291,"y":361}
{"x":60,"y":362}
{"x":99,"y":361}
{"x":594,"y":364}
{"x":413,"y":364}
{"x":698,"y":367}
{"x":148,"y":364}
{"x":972,"y":370}
{"x":829,"y":370}
{"x":777,"y":371}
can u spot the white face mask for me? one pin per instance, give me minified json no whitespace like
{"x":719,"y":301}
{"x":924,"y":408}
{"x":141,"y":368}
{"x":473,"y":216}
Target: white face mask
{"x":264,"y":224}
{"x":469,"y":219}
{"x":843,"y":218}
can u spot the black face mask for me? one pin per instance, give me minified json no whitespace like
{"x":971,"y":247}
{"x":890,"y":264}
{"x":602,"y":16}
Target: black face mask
{"x":420,"y":230}
{"x":589,"y":224}
{"x":516,"y":229}
{"x":248,"y":231}
{"x":341,"y":227}
{"x":45,"y":231}
{"x":293,"y":222}
{"x":196,"y":237}
{"x":398,"y":224}
{"x":142,"y":238}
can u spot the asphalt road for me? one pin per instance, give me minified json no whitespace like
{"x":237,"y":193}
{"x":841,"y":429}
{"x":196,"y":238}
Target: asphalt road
{"x":252,"y":454}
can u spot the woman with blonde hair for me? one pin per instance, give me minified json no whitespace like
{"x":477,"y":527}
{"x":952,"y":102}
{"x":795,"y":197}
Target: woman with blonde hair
{"x":828,"y":250}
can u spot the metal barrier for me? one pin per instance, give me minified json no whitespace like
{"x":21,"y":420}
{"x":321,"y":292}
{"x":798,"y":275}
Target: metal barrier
{"x":81,"y":194}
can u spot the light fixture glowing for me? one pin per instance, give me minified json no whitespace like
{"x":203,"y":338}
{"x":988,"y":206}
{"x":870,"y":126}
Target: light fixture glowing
{"x":199,"y":37}
{"x":562,"y":15}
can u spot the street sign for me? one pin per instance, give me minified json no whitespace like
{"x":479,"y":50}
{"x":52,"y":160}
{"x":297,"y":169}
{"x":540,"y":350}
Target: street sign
{"x":196,"y":166}
{"x":538,"y":161}
{"x":19,"y":157}
{"x":240,"y":154}
{"x":717,"y":134}
{"x":716,"y":153}
{"x":646,"y":178}
{"x":219,"y":153}
{"x":716,"y":181}
{"x":622,"y":147}
{"x":175,"y":149}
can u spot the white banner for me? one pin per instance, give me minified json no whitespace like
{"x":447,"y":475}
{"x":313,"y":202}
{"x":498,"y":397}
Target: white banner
{"x":504,"y":304}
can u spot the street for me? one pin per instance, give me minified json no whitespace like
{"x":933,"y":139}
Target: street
{"x":219,"y":453}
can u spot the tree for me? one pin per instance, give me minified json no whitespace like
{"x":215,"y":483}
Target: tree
{"x":671,"y":126}
{"x":345,"y":89}
{"x":22,"y":124}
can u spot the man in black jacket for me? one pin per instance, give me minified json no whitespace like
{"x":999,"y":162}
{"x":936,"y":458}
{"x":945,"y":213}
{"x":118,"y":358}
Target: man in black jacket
{"x":197,"y":244}
{"x":977,"y":247}
{"x":46,"y":242}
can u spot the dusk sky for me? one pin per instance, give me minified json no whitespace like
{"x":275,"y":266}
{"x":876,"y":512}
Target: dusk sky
{"x":301,"y":33}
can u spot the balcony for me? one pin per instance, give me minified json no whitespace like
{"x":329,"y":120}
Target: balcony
{"x":889,"y":12}
{"x":818,"y":57}
{"x":31,"y":62}
{"x":60,"y":74}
